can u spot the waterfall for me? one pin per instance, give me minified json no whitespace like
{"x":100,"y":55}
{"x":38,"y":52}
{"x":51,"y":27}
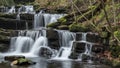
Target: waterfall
{"x":42,"y":19}
{"x":84,"y":36}
{"x":88,"y":48}
{"x":51,"y":18}
{"x":23,"y":42}
{"x":11,"y":10}
{"x":40,"y":42}
{"x":38,"y":20}
{"x":33,"y":34}
{"x":25,"y":9}
{"x":66,"y":39}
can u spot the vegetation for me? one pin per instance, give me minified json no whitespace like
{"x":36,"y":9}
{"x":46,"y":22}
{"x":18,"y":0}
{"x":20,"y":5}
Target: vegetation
{"x":7,"y":2}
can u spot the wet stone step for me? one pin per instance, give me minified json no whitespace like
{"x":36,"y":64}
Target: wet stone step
{"x":90,"y":37}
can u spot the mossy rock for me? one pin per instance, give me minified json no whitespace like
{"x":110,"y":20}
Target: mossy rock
{"x":22,"y":61}
{"x":116,"y":64}
{"x":63,"y":27}
{"x":77,"y":28}
{"x":53,"y":25}
{"x":11,"y":16}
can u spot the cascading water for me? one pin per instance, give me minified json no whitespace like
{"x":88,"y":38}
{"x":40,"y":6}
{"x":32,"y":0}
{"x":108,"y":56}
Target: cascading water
{"x":38,"y":20}
{"x":22,"y":44}
{"x":42,"y":19}
{"x":88,"y":48}
{"x":66,"y":39}
{"x":29,"y":42}
{"x":25,"y":9}
{"x":33,"y":34}
{"x":11,"y":10}
{"x":50,"y":18}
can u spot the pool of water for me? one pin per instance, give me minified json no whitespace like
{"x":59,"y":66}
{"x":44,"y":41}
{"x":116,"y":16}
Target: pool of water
{"x":44,"y":63}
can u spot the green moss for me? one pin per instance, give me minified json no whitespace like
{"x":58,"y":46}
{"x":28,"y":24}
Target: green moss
{"x":77,"y":28}
{"x":22,"y":60}
{"x":6,"y":2}
{"x":63,"y":27}
{"x":63,"y":21}
{"x":117,"y":34}
{"x":53,"y":25}
{"x":115,"y":51}
{"x":116,"y":64}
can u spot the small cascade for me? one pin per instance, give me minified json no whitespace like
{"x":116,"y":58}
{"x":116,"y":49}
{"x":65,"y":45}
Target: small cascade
{"x":84,"y":36}
{"x":33,"y":34}
{"x":38,"y":20}
{"x":25,"y":9}
{"x":66,"y":40}
{"x":65,"y":37}
{"x":22,"y":44}
{"x":11,"y":10}
{"x":42,"y":19}
{"x":88,"y":48}
{"x":50,"y":18}
{"x":40,"y":42}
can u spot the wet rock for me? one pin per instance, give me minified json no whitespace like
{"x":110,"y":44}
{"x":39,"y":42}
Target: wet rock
{"x":22,"y":61}
{"x":79,"y":47}
{"x":4,"y":47}
{"x":10,"y":16}
{"x":78,"y":36}
{"x":97,"y":48}
{"x":85,"y":57}
{"x":52,"y":34}
{"x":90,"y":37}
{"x":27,"y":16}
{"x":6,"y":23}
{"x":93,"y":37}
{"x":53,"y":39}
{"x":45,"y":52}
{"x":12,"y":58}
{"x":73,"y":55}
{"x":63,"y":27}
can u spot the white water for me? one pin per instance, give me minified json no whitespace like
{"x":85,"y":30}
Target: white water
{"x":42,"y":19}
{"x":33,"y":34}
{"x":38,"y":20}
{"x":66,"y":39}
{"x":88,"y":48}
{"x":25,"y":9}
{"x":11,"y":10}
{"x":51,"y":18}
{"x":26,"y":43}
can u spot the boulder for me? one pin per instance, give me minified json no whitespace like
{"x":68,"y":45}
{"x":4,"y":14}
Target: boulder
{"x":12,"y":58}
{"x":93,"y":37}
{"x":79,"y":47}
{"x":4,"y":47}
{"x":22,"y":61}
{"x":45,"y":52}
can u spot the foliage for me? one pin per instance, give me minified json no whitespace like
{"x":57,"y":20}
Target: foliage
{"x":115,"y":51}
{"x":77,"y":27}
{"x":6,"y":2}
{"x":63,"y":21}
{"x":117,"y":34}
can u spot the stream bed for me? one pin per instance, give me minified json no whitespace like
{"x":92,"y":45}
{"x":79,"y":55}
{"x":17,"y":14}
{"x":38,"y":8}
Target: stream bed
{"x":44,"y":63}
